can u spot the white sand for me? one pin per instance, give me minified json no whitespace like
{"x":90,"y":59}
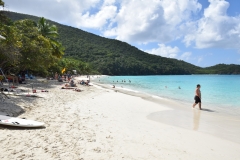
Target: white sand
{"x":104,"y":124}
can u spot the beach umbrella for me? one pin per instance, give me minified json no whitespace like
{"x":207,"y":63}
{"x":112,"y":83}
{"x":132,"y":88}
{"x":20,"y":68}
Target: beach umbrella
{"x":1,"y":37}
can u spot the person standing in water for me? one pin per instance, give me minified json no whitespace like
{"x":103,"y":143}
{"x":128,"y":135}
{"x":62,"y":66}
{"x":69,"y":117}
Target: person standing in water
{"x":197,"y":97}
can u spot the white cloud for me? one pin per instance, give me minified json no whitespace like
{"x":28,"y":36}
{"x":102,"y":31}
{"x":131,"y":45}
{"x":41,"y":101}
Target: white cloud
{"x":62,"y":11}
{"x":109,"y":2}
{"x":140,"y":21}
{"x":186,"y":55}
{"x":164,"y":51}
{"x":143,"y":21}
{"x":215,"y":29}
{"x":151,"y":20}
{"x":97,"y":20}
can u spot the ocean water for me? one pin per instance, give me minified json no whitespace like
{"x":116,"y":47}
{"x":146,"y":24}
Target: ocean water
{"x":219,"y":92}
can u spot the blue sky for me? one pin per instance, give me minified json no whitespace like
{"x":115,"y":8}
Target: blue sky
{"x":201,"y":32}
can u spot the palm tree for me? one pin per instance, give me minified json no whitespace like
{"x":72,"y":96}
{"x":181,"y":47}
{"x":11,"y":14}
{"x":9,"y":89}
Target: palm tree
{"x":50,"y":32}
{"x":47,"y":30}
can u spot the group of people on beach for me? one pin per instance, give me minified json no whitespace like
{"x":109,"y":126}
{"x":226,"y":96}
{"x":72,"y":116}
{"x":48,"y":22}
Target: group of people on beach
{"x":69,"y":78}
{"x":72,"y":85}
{"x":82,"y":82}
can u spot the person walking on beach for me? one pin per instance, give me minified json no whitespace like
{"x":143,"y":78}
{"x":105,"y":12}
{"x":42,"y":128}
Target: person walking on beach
{"x":197,"y":97}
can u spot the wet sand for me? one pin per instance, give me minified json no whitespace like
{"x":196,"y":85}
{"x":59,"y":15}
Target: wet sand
{"x":181,"y":114}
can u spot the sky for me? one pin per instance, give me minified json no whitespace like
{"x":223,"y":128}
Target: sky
{"x":201,"y":32}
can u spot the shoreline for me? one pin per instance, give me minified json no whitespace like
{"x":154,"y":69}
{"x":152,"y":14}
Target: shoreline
{"x":224,"y":103}
{"x":102,"y":123}
{"x":212,"y":122}
{"x":178,"y":101}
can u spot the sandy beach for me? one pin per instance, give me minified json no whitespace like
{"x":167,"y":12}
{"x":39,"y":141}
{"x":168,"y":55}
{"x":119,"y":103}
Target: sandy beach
{"x":102,"y":123}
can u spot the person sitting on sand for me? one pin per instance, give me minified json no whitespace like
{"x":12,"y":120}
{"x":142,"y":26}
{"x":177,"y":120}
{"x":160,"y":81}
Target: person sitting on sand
{"x":86,"y":83}
{"x":82,"y":82}
{"x":72,"y":84}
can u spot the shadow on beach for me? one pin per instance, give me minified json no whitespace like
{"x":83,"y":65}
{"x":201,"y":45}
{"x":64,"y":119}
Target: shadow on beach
{"x":20,"y":128}
{"x":10,"y":106}
{"x":208,"y":110}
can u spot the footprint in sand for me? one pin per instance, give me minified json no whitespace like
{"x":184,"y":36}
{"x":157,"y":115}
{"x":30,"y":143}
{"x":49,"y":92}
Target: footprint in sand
{"x":109,"y":137}
{"x":98,"y":150}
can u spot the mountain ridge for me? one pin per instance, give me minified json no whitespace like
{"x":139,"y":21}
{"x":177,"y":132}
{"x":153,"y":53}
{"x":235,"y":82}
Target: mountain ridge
{"x":114,"y":57}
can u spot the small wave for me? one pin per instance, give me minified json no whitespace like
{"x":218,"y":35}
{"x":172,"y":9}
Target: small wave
{"x":157,"y":97}
{"x":127,"y":89}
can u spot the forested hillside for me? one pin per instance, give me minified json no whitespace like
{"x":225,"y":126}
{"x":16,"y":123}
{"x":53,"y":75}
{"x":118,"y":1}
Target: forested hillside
{"x":223,"y":69}
{"x":113,"y":57}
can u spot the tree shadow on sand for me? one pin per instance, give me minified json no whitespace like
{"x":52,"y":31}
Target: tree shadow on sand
{"x":10,"y":108}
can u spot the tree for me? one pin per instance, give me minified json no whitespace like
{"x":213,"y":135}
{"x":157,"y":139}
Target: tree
{"x":50,"y":32}
{"x":36,"y":49}
{"x":1,"y":3}
{"x":26,"y":48}
{"x":72,"y":64}
{"x":9,"y":48}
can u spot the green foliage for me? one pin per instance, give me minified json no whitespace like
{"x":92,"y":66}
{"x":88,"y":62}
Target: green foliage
{"x":46,"y":29}
{"x":10,"y":47}
{"x":1,"y":3}
{"x":36,"y":49}
{"x":113,"y":57}
{"x":71,"y":64}
{"x":223,"y":69}
{"x":75,"y":64}
{"x":27,"y":48}
{"x":50,"y":32}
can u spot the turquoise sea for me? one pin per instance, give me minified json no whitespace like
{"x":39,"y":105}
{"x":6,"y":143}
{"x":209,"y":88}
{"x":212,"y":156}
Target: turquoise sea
{"x":219,"y":92}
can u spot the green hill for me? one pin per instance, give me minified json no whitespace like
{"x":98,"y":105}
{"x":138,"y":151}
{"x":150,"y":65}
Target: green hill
{"x":113,"y":57}
{"x":223,"y":69}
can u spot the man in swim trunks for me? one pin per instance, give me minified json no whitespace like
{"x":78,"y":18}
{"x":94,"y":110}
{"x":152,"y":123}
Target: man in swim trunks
{"x":197,"y":97}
